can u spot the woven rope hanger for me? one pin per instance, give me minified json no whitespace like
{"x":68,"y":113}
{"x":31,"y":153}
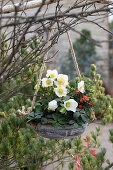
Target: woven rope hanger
{"x":42,"y":70}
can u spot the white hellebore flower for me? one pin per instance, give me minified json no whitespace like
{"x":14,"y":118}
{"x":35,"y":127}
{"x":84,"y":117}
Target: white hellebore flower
{"x":52,"y":74}
{"x":52,"y":105}
{"x":46,"y":82}
{"x":71,"y":105}
{"x":81,"y":87}
{"x":62,"y":80}
{"x":60,"y":91}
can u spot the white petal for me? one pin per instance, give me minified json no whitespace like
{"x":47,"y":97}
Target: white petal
{"x":49,"y":72}
{"x":52,"y":105}
{"x":60,"y":94}
{"x":73,"y":102}
{"x":44,"y":84}
{"x":80,"y":84}
{"x":62,"y":80}
{"x":73,"y":105}
{"x":81,"y":87}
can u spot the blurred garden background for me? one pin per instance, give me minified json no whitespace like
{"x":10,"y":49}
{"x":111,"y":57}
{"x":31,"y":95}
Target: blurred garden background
{"x":25,"y":30}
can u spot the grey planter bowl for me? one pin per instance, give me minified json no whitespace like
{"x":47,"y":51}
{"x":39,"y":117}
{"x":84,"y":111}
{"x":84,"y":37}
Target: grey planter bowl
{"x":68,"y":132}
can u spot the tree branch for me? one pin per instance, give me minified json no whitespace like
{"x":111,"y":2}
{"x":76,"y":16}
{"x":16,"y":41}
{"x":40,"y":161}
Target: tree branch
{"x":25,"y":6}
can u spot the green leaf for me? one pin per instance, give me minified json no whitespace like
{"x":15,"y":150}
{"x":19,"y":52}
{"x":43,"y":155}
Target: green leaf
{"x":43,"y":120}
{"x":55,"y":117}
{"x":108,"y":161}
{"x":75,"y":125}
{"x":63,"y":122}
{"x":82,"y":111}
{"x":71,"y":122}
{"x":76,"y":115}
{"x":61,"y":104}
{"x":57,"y":125}
{"x":38,"y":117}
{"x":38,"y":112}
{"x":58,"y":99}
{"x":62,"y":110}
{"x":49,"y":116}
{"x":32,"y":114}
{"x":66,"y":98}
{"x":84,"y":118}
{"x":38,"y":105}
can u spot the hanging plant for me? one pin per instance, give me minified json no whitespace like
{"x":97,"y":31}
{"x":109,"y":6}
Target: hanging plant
{"x":61,"y":111}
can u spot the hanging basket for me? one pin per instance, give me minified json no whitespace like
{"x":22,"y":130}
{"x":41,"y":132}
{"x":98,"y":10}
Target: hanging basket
{"x":49,"y":131}
{"x":67,"y":132}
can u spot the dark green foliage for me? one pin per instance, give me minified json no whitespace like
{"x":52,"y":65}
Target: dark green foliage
{"x":16,"y":142}
{"x":61,"y":117}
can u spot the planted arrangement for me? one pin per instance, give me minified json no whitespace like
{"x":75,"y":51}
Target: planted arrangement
{"x":59,"y":104}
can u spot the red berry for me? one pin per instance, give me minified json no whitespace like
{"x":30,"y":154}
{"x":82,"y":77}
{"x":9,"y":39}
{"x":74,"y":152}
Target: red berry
{"x":85,"y":139}
{"x":84,"y":97}
{"x":81,"y":101}
{"x":80,"y":107}
{"x":77,"y":91}
{"x":93,"y":104}
{"x":93,"y":152}
{"x":87,"y":99}
{"x":76,"y":158}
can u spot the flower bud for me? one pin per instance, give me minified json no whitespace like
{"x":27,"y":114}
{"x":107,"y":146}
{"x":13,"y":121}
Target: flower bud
{"x":100,"y":82}
{"x":93,"y":67}
{"x":98,"y":76}
{"x":92,"y":73}
{"x":102,"y":89}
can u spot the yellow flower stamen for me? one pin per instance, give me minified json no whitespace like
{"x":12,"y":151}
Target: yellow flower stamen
{"x":52,"y":75}
{"x":68,"y":104}
{"x":81,"y":88}
{"x":60,"y":91}
{"x":61,"y":81}
{"x":48,"y":82}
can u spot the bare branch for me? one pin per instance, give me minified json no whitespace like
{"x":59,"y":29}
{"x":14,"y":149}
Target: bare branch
{"x":25,"y":6}
{"x":19,"y":30}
